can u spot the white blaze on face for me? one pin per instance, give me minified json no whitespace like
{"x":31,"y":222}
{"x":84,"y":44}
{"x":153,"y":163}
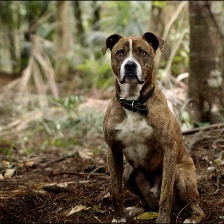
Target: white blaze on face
{"x":130,"y":58}
{"x":129,"y":91}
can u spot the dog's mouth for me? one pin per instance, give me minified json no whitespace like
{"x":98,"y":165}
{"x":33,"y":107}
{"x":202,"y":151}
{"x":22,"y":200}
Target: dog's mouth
{"x":131,"y":79}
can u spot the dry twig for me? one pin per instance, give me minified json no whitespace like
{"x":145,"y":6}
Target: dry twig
{"x":213,"y":126}
{"x":50,"y":163}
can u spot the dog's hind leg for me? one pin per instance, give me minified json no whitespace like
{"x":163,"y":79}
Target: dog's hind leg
{"x":186,"y":183}
{"x":129,"y":180}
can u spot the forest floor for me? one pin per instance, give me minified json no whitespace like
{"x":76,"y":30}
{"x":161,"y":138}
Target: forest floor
{"x":72,"y":186}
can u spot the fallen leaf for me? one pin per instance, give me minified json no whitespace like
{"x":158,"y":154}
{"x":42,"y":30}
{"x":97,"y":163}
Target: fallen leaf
{"x":85,"y":153}
{"x":64,"y":184}
{"x":56,"y":188}
{"x":104,"y":196}
{"x":1,"y":177}
{"x":84,"y":181}
{"x":147,"y":216}
{"x":220,"y":160}
{"x":5,"y":163}
{"x":30,"y":163}
{"x":77,"y":208}
{"x":20,"y":165}
{"x":9,"y":173}
{"x":33,"y":162}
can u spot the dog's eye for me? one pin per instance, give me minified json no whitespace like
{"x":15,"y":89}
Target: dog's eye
{"x":120,"y":53}
{"x":143,"y":53}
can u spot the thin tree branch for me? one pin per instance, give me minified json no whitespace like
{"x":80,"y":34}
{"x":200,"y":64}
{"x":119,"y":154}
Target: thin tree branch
{"x":192,"y":131}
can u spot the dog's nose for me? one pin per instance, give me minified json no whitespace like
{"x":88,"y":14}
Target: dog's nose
{"x":130,"y":66}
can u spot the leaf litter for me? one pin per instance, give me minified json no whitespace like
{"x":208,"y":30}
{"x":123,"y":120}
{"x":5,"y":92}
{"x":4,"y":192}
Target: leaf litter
{"x":71,"y":183}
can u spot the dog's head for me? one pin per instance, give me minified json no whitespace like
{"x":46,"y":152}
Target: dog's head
{"x":132,"y":58}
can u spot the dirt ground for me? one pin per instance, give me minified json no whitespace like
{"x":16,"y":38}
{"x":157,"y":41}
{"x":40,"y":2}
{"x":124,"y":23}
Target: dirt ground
{"x":61,"y":187}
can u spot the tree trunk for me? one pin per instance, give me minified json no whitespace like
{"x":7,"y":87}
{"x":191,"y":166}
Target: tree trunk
{"x":206,"y":85}
{"x":12,"y":50}
{"x":63,"y":41}
{"x":78,"y":20}
{"x":156,"y":24}
{"x":9,"y":21}
{"x":96,"y":15}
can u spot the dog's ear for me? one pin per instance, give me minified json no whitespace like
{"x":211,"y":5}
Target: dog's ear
{"x":154,"y":40}
{"x":110,"y":42}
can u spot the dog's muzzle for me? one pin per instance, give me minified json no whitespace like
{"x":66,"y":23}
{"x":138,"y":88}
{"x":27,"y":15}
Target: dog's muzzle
{"x":131,"y":74}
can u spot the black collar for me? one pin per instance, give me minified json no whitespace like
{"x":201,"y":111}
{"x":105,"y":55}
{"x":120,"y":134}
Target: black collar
{"x":137,"y":105}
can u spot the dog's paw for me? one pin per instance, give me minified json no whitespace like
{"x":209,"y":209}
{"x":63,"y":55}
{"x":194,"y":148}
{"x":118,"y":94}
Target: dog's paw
{"x":134,"y":211}
{"x":189,"y":221}
{"x":120,"y":220}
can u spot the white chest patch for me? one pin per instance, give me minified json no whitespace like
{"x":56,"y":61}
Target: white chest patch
{"x":133,"y":132}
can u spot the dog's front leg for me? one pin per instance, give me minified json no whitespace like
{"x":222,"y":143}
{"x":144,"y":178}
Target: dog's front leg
{"x":115,"y":163}
{"x":169,"y":166}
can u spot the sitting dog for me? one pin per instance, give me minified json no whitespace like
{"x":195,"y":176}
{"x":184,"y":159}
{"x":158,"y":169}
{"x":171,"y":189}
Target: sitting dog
{"x":139,"y":125}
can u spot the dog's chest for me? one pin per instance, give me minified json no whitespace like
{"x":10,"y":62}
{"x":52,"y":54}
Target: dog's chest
{"x":134,"y":131}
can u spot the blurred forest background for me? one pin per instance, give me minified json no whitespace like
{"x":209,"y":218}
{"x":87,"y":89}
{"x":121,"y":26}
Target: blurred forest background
{"x":55,"y":83}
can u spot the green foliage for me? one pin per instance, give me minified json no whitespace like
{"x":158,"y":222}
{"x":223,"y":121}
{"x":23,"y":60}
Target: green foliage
{"x":69,"y":103}
{"x":35,"y":9}
{"x":6,"y":14}
{"x":6,"y":147}
{"x":61,"y":125}
{"x":159,"y":4}
{"x":28,"y":151}
{"x":125,"y":17}
{"x":71,"y":130}
{"x":96,"y":74}
{"x":181,"y":59}
{"x":202,"y":124}
{"x":47,"y":30}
